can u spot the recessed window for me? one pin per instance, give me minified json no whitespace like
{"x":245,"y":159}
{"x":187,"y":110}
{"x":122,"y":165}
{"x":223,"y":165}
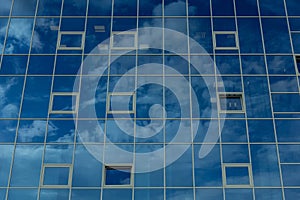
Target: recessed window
{"x":124,"y":40}
{"x":237,"y":175}
{"x":225,"y":40}
{"x":56,"y":175}
{"x":231,"y":102}
{"x":64,"y":103}
{"x":121,"y":102}
{"x":70,"y":40}
{"x":118,"y":175}
{"x":298,"y":63}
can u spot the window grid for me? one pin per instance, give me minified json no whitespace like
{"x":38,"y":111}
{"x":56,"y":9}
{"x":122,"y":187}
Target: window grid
{"x":274,"y":117}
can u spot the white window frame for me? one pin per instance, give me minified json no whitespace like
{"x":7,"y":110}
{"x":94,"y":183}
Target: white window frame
{"x":118,"y":166}
{"x":55,"y":165}
{"x":228,"y":94}
{"x":134,"y":33}
{"x":60,"y":33}
{"x":51,"y":111}
{"x":237,"y":165}
{"x":215,"y":33}
{"x":121,"y":94}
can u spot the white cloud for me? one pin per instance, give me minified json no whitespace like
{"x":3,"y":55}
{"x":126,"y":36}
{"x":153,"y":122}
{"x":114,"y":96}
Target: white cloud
{"x":7,"y":109}
{"x":19,"y":34}
{"x":36,"y":129}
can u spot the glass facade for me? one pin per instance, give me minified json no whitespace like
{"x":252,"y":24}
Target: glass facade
{"x":149,"y":99}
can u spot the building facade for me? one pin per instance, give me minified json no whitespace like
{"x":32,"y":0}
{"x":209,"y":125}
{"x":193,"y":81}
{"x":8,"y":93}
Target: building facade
{"x":149,"y":99}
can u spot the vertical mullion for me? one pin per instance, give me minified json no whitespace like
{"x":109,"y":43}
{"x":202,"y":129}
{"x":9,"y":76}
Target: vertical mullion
{"x":271,"y":102}
{"x":23,"y":91}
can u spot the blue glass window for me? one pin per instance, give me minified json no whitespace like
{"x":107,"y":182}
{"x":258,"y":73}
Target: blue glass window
{"x":148,"y":194}
{"x":27,"y":165}
{"x":209,"y":194}
{"x":32,"y":131}
{"x":272,"y":8}
{"x":150,"y":8}
{"x":253,"y":64}
{"x":49,"y":7}
{"x":50,"y":194}
{"x":250,"y":40}
{"x":71,"y":40}
{"x":5,"y":8}
{"x":293,"y":7}
{"x":125,"y":8}
{"x":117,"y":175}
{"x":199,"y":8}
{"x":45,"y":36}
{"x":236,"y":194}
{"x":262,"y":193}
{"x":222,"y":7}
{"x":64,"y":103}
{"x":265,"y":165}
{"x":19,"y":42}
{"x":276,"y":35}
{"x":87,"y":175}
{"x":74,"y":8}
{"x":174,"y":8}
{"x":25,"y":194}
{"x":41,"y":65}
{"x":36,"y":97}
{"x":5,"y":159}
{"x":288,"y":175}
{"x":8,"y":130}
{"x":237,"y":175}
{"x":231,"y":102}
{"x":225,"y":40}
{"x":56,"y":175}
{"x":13,"y":64}
{"x":91,"y":194}
{"x":115,"y":194}
{"x":99,"y":8}
{"x":22,"y":8}
{"x":246,"y":8}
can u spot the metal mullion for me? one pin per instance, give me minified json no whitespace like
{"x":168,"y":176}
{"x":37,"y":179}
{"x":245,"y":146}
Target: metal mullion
{"x":48,"y":116}
{"x":271,"y":103}
{"x":22,"y":96}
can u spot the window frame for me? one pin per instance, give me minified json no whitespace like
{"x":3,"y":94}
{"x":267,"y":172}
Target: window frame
{"x":231,"y":94}
{"x":60,"y":33}
{"x":215,"y":33}
{"x":56,"y":165}
{"x":237,"y":165}
{"x":131,"y":94}
{"x":116,"y":167}
{"x":76,"y":94}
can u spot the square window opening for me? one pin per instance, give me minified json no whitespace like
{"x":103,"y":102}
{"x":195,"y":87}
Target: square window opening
{"x":64,"y":103}
{"x":56,"y":175}
{"x":237,"y":175}
{"x":70,"y":40}
{"x":121,"y":102}
{"x":225,"y":40}
{"x":231,"y":102}
{"x":118,"y":175}
{"x":124,"y":40}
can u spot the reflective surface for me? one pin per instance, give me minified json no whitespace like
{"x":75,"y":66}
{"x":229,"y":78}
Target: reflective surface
{"x":157,"y":95}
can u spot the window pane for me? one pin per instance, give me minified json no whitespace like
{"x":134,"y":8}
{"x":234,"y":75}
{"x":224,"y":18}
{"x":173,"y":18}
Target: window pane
{"x":27,"y":165}
{"x":117,"y":175}
{"x":56,"y":176}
